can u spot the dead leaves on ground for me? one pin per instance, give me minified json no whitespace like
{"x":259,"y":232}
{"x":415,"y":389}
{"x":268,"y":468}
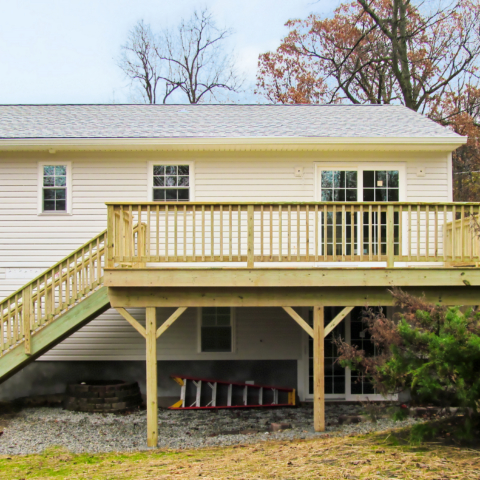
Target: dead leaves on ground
{"x":324,"y":458}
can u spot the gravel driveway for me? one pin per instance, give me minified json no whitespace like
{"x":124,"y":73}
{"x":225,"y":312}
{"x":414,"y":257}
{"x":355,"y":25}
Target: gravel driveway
{"x":31,"y":430}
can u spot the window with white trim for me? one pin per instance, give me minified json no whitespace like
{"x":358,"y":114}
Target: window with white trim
{"x":171,"y":183}
{"x":216,"y":329}
{"x":54,"y":188}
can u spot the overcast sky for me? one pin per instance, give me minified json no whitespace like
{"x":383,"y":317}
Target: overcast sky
{"x":65,"y":51}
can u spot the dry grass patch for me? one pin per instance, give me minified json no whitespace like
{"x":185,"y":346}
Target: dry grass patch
{"x":368,"y":457}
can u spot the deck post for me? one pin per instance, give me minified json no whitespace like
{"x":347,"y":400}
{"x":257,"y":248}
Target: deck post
{"x":318,"y":369}
{"x":152,"y":395}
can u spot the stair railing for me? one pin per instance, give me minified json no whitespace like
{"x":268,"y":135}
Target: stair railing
{"x":50,"y":294}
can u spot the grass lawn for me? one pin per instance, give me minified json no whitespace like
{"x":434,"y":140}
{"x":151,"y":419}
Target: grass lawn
{"x":367,"y":457}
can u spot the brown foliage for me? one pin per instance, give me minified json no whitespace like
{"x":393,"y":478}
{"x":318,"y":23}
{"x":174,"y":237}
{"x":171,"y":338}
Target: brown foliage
{"x":384,"y":334}
{"x":420,"y":342}
{"x":460,"y":110}
{"x":380,"y":51}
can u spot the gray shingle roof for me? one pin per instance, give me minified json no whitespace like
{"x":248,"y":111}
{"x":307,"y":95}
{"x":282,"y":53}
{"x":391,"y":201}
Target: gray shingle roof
{"x":214,"y":121}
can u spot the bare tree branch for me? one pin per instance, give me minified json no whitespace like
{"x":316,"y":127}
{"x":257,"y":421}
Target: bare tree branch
{"x":139,"y":61}
{"x":189,"y":58}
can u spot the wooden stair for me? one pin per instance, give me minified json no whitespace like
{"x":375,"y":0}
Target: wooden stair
{"x":52,"y":306}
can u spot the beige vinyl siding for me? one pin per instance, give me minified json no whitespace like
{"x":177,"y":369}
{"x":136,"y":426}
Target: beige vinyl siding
{"x":32,"y":241}
{"x":254,"y":180}
{"x":431,"y":188}
{"x":260,"y":333}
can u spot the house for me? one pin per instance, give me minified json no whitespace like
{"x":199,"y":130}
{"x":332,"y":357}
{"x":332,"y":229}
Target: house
{"x":217,"y":241}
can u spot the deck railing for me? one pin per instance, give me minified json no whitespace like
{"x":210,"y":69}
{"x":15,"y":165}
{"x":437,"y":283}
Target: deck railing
{"x":155,"y":232}
{"x":50,"y":294}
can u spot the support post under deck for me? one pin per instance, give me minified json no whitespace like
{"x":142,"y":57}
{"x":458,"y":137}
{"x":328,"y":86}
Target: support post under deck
{"x":318,"y":369}
{"x":152,"y":395}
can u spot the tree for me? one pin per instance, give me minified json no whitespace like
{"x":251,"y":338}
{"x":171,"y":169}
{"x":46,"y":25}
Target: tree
{"x":190,"y":59}
{"x":461,"y":112}
{"x":433,"y":351}
{"x":338,"y":59}
{"x":140,"y":62}
{"x":375,"y":51}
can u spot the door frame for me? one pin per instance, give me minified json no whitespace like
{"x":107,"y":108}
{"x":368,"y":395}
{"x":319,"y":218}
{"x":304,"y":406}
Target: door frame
{"x":303,"y":372}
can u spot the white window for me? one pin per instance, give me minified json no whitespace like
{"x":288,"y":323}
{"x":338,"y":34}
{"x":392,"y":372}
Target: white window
{"x":171,"y":182}
{"x":54,"y":189}
{"x":216,"y":329}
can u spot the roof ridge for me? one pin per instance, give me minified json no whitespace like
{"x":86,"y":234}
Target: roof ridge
{"x":197,"y":105}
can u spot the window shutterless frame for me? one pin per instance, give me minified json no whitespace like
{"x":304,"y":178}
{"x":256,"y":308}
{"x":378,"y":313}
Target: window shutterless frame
{"x":52,"y":181}
{"x":161,"y":162}
{"x":199,"y":334}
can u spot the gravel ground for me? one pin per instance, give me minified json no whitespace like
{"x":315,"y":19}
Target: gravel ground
{"x":33,"y":429}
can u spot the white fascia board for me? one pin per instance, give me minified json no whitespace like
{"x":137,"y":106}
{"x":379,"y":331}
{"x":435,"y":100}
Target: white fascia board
{"x":250,"y":143}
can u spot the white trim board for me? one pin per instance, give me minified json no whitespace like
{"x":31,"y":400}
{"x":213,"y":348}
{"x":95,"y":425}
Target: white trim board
{"x":69,"y":195}
{"x":446,"y":144}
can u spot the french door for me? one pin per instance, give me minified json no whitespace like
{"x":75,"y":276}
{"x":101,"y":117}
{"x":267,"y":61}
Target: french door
{"x":352,"y":185}
{"x":341,"y":383}
{"x":335,"y":374}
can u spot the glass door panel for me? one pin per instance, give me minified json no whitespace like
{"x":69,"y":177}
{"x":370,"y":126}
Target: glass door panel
{"x":380,"y":186}
{"x":328,"y":241}
{"x":361,"y":338}
{"x":334,"y":372}
{"x":338,"y":186}
{"x":379,"y":241}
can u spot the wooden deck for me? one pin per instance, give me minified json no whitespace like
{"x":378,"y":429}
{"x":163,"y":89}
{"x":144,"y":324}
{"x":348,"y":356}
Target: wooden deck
{"x":285,"y":254}
{"x":245,"y":254}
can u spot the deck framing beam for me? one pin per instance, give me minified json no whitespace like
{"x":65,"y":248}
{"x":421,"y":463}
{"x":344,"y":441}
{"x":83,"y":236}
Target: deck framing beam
{"x":170,"y":320}
{"x":337,"y":320}
{"x":281,"y":296}
{"x":132,"y":321}
{"x":293,"y":277}
{"x":299,"y":320}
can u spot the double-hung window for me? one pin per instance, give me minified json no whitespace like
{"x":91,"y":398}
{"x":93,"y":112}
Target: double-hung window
{"x":171,"y":183}
{"x":216,"y":329}
{"x":54,"y":188}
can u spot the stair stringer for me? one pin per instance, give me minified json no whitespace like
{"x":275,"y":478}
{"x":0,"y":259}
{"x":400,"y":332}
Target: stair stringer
{"x":55,"y":332}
